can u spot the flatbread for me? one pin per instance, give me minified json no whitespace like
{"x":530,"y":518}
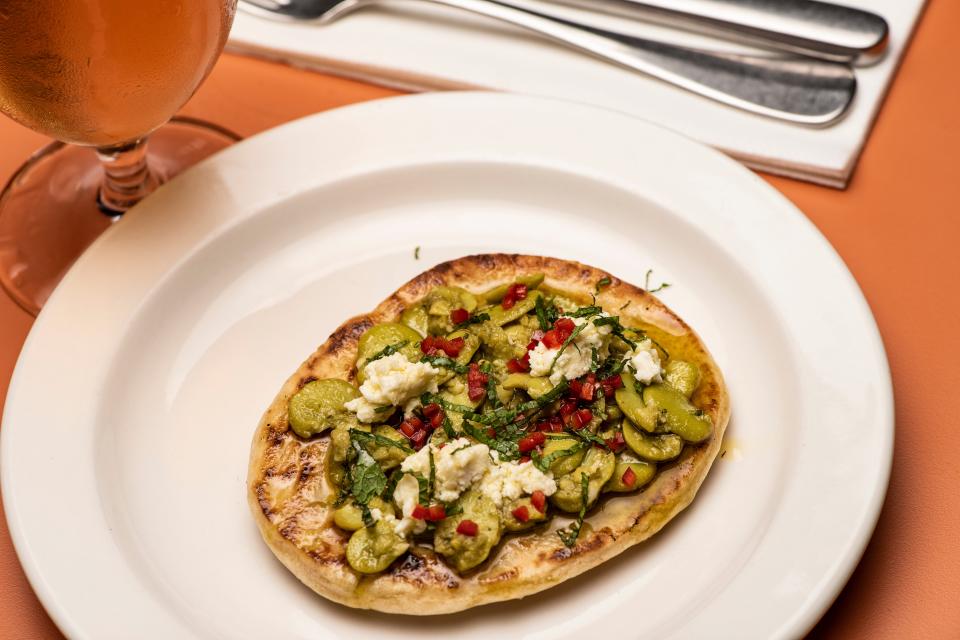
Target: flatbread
{"x":291,"y":499}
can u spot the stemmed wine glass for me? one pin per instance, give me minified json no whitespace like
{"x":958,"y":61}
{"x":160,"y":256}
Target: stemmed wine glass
{"x":99,"y":76}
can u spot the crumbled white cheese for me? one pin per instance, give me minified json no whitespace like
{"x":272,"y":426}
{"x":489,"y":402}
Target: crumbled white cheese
{"x":376,"y":514}
{"x":645,"y":361}
{"x":406,"y":496}
{"x":458,"y":465}
{"x":576,"y":359}
{"x":510,"y":480}
{"x":391,"y":381}
{"x":411,"y":406}
{"x":366,"y":411}
{"x":419,"y":462}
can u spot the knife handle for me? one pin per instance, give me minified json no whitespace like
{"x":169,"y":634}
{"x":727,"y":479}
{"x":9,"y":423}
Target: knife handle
{"x":806,"y":27}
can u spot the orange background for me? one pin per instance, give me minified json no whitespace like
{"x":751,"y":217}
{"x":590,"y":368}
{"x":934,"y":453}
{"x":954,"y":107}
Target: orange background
{"x":897,"y":226}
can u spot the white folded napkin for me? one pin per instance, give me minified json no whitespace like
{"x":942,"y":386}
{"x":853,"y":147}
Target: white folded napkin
{"x":415,"y":46}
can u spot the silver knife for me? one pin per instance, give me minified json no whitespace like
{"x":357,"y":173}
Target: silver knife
{"x":806,"y":27}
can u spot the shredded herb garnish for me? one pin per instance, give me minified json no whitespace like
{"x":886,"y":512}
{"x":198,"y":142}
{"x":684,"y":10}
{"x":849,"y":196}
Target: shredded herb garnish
{"x":433,"y":472}
{"x":616,"y":328}
{"x":364,"y":437}
{"x":447,"y":425}
{"x":388,"y":350}
{"x":429,"y":398}
{"x":584,"y":312}
{"x":507,"y":448}
{"x":492,"y":396}
{"x":646,"y":283}
{"x":594,"y":359}
{"x":545,"y":462}
{"x":424,"y":486}
{"x":601,"y":283}
{"x":503,"y":417}
{"x":383,"y":409}
{"x":588,"y":438}
{"x":446,"y":363}
{"x":546,"y":313}
{"x":416,"y":253}
{"x":570,"y":534}
{"x":367,"y":480}
{"x":474,"y":319}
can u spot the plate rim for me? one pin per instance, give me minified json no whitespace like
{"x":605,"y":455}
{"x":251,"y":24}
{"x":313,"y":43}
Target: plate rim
{"x":415,"y":105}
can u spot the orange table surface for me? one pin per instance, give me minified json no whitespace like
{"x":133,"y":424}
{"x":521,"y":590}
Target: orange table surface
{"x":897,"y":228}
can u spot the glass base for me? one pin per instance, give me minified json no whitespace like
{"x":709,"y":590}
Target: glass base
{"x":50,"y":210}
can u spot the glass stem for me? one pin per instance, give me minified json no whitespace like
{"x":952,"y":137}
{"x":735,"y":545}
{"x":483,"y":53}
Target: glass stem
{"x":127,"y":177}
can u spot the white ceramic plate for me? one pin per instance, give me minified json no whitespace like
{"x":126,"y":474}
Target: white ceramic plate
{"x":128,"y":421}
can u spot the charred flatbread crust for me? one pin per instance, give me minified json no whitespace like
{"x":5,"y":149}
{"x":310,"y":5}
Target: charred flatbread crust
{"x":290,"y":497}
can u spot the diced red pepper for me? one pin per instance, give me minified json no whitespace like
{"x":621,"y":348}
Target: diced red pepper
{"x":415,"y":422}
{"x":543,"y":425}
{"x":617,"y":443}
{"x":568,"y":407}
{"x":436,"y":513}
{"x":586,"y":391}
{"x":581,"y":418}
{"x":629,"y":478}
{"x":575,"y":388}
{"x":407,"y":429}
{"x":518,"y":366}
{"x":552,"y":339}
{"x":467,"y":528}
{"x":556,"y":424}
{"x":611,"y":384}
{"x":476,"y":382}
{"x":530,"y":442}
{"x":539,"y":500}
{"x":459,"y":315}
{"x":420,"y":512}
{"x":430,"y":410}
{"x":516,"y":291}
{"x":434,"y":345}
{"x":565,"y":325}
{"x":436,"y":420}
{"x":491,"y":432}
{"x":521,"y":513}
{"x":418,"y":439}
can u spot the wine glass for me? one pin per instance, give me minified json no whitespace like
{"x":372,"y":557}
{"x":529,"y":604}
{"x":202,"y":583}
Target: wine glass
{"x":99,"y":76}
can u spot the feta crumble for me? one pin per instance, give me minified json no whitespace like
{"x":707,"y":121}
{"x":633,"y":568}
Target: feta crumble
{"x":406,"y":496}
{"x":391,"y":381}
{"x":645,"y":360}
{"x":576,"y":359}
{"x":510,"y":480}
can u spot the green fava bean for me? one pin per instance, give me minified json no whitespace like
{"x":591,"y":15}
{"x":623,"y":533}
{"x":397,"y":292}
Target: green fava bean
{"x":512,"y":523}
{"x":496,"y":294}
{"x":681,"y":417}
{"x":632,"y":405}
{"x":535,"y":387}
{"x":380,"y":336}
{"x":655,"y":448}
{"x":683,"y":376}
{"x":386,"y":456}
{"x":599,"y":466}
{"x":431,"y":316}
{"x":643,"y":473}
{"x":372,"y":549}
{"x":500,"y":316}
{"x":318,"y":406}
{"x":466,"y":552}
{"x":497,"y":341}
{"x":350,"y":516}
{"x":417,"y":318}
{"x":563,"y":465}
